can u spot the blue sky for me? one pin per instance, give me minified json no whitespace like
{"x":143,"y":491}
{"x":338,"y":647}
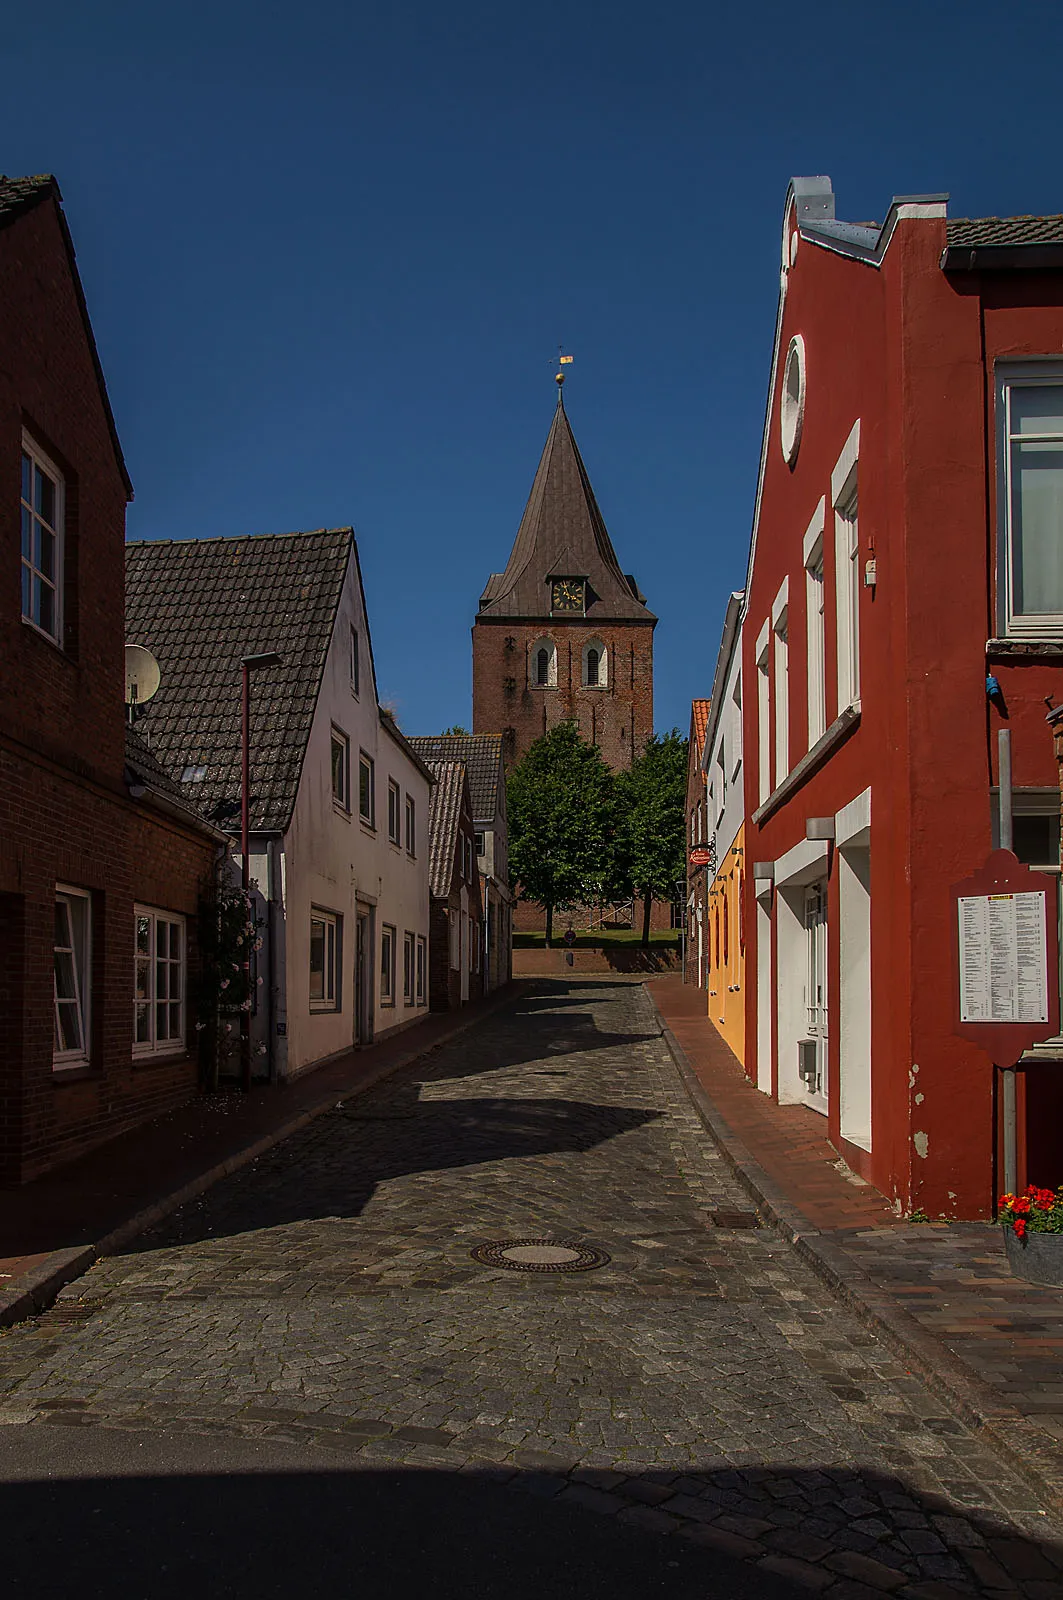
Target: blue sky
{"x":330,"y":249}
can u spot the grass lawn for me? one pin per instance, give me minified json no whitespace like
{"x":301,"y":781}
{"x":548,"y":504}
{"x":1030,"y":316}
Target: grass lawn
{"x":612,"y":939}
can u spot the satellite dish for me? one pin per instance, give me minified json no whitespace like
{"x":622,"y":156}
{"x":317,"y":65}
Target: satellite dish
{"x":142,"y":675}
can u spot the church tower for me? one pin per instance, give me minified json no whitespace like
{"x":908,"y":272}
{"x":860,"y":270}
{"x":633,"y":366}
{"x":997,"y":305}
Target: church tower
{"x":563,"y":634}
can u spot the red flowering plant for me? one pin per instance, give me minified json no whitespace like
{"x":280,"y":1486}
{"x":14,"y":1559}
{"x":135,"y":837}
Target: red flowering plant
{"x":1036,"y":1211}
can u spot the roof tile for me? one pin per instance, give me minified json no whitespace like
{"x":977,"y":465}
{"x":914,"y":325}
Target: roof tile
{"x":481,"y":755}
{"x":200,"y":606}
{"x":444,"y":817}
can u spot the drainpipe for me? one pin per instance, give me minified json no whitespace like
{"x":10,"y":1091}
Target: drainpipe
{"x":1011,"y":1143}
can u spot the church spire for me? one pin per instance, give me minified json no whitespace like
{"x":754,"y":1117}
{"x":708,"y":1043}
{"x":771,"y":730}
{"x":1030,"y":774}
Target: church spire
{"x":562,"y":534}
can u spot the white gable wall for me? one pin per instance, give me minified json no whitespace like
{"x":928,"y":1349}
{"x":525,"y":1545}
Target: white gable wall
{"x":334,"y":861}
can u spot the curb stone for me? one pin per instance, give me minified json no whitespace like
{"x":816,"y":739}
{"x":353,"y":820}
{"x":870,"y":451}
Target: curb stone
{"x":970,"y":1400}
{"x":34,"y":1291}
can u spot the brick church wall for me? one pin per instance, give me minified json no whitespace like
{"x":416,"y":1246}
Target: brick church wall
{"x":618,"y":718}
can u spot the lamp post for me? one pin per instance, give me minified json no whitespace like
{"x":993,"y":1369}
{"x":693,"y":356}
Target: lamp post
{"x":248,"y":664}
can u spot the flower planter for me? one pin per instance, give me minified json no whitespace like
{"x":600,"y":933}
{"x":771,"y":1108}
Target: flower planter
{"x":1038,"y":1257}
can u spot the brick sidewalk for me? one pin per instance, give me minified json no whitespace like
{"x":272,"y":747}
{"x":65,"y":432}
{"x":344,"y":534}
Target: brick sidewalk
{"x":942,"y":1292}
{"x":53,"y":1228}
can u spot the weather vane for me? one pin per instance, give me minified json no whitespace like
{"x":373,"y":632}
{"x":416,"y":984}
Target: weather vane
{"x":562,"y":361}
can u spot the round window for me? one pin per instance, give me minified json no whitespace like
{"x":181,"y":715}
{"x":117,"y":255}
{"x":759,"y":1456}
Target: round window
{"x":792,"y":404}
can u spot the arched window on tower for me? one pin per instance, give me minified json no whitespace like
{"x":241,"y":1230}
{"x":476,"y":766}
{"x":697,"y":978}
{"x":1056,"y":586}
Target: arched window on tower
{"x":595,"y":665}
{"x":542,"y":664}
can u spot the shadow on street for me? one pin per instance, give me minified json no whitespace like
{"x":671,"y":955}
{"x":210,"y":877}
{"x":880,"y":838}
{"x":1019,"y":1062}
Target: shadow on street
{"x":136,"y":1517}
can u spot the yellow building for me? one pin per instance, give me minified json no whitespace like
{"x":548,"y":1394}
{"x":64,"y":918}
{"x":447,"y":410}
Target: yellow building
{"x":726,"y":938}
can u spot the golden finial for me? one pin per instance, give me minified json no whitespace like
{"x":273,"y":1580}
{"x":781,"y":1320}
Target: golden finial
{"x":562,"y":361}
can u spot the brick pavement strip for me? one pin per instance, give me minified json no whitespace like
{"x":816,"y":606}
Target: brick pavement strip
{"x":705,"y":1383}
{"x":883,"y":1273}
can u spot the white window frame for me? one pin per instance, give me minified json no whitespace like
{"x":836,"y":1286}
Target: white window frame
{"x":845,"y":505}
{"x":172,"y":1044}
{"x":78,"y":903}
{"x":355,"y":663}
{"x":736,"y":727}
{"x":408,"y":959}
{"x":339,"y":741}
{"x":780,"y":629}
{"x":603,"y":665}
{"x":394,"y":813}
{"x":1012,"y":376}
{"x":387,"y":964}
{"x":816,"y":625}
{"x":411,"y":826}
{"x":367,"y":764}
{"x":422,"y":969}
{"x":763,"y":717}
{"x":551,"y":664}
{"x":331,"y":927}
{"x":29,"y":568}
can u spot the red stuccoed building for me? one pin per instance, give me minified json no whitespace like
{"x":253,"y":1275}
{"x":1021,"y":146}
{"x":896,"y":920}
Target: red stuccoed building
{"x":907,"y":555}
{"x":100,"y":861}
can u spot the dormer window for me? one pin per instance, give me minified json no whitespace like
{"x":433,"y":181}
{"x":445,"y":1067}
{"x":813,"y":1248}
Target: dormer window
{"x":595,"y":665}
{"x":42,"y":542}
{"x":543,"y":664}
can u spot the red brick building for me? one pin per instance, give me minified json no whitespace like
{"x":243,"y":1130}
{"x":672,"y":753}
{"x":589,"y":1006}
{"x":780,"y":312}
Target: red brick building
{"x":906,"y":549}
{"x":455,"y":938}
{"x":100,"y":862}
{"x":563,"y":634}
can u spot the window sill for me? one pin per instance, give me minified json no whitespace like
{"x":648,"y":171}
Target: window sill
{"x":370,"y":827}
{"x":49,"y":638}
{"x":162,"y":1058}
{"x":72,"y":1071}
{"x":543,"y":686}
{"x":321,"y":1009}
{"x":340,"y":809}
{"x":1023,"y":647}
{"x":809,"y":763}
{"x":396,"y":844}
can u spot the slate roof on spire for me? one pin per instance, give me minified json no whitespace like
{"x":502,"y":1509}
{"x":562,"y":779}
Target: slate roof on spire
{"x":562,"y":534}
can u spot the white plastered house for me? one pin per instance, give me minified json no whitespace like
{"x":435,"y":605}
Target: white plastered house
{"x":338,"y":799}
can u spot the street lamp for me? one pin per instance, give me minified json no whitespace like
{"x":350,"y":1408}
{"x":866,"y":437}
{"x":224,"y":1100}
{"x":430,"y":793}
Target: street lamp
{"x":248,"y":665}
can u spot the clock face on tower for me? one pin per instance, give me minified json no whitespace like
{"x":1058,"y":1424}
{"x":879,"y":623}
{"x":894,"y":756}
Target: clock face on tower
{"x":568,"y":594}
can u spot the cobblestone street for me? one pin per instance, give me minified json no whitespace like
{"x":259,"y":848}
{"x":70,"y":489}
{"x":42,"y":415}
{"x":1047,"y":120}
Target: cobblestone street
{"x":702,"y":1383}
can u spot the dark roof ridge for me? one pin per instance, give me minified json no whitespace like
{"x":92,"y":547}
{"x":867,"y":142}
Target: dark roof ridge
{"x":220,"y":538}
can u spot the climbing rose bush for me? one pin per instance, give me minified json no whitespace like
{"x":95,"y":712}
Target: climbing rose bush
{"x":1035,"y":1211}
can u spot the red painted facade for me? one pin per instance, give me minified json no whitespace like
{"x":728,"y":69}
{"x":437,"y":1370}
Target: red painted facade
{"x":910,"y":352}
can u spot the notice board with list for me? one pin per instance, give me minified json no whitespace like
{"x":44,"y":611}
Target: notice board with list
{"x":1003,"y":949}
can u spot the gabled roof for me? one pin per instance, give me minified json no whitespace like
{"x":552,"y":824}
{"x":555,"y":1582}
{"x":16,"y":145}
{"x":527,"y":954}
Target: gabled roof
{"x":481,"y":755}
{"x":562,"y":533}
{"x":444,"y":817}
{"x":144,"y":772}
{"x":1003,"y":244}
{"x":699,"y":718}
{"x":22,"y":194}
{"x":19,"y":195}
{"x":978,"y":231}
{"x":200,"y":606}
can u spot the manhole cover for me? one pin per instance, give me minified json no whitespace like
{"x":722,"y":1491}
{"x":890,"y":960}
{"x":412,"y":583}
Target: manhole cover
{"x":540,"y":1255}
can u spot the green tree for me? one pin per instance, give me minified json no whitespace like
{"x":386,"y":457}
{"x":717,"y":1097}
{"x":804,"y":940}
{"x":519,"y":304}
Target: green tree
{"x":561,"y":804}
{"x":651,"y":801}
{"x":457,"y":728}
